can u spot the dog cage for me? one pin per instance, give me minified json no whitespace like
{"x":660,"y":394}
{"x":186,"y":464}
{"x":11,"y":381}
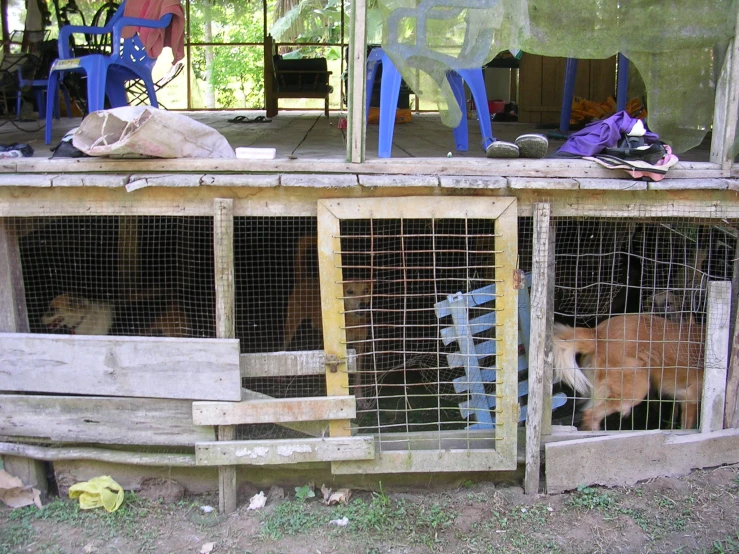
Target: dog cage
{"x":659,"y":269}
{"x":117,"y":275}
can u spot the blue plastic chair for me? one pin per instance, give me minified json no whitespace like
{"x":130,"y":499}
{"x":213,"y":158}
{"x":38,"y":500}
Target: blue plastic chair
{"x":622,"y":86}
{"x":106,"y":74}
{"x":390,"y":89}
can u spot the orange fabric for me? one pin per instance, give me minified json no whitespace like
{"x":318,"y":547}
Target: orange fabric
{"x":156,"y":39}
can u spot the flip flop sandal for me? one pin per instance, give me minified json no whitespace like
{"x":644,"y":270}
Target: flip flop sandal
{"x":501,"y":149}
{"x":238,"y":119}
{"x":532,"y":146}
{"x":260,"y":119}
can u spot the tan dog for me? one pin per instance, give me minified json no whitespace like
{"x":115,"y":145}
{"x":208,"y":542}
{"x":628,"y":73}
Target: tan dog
{"x":625,"y":356}
{"x":305,"y":304}
{"x":77,"y":315}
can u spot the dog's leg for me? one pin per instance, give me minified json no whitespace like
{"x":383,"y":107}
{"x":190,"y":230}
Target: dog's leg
{"x":689,"y":409}
{"x":616,"y":391}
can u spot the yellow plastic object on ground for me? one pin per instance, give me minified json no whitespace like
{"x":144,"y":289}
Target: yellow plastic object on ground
{"x":100,"y":491}
{"x":401,"y":116}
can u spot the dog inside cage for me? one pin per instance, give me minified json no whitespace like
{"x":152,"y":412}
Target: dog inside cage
{"x":630,"y":309}
{"x":121,"y":276}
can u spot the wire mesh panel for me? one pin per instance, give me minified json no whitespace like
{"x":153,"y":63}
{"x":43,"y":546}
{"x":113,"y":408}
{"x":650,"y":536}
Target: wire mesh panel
{"x":630,"y":302}
{"x":424,"y":291}
{"x":111,"y":275}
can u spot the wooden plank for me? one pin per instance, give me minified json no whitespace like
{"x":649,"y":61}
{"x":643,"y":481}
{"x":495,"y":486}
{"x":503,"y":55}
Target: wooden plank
{"x":223,"y":248}
{"x":540,"y":344}
{"x":731,"y":412}
{"x":546,"y":424}
{"x":56,"y":454}
{"x":13,"y":316}
{"x":726,"y":109}
{"x":103,"y":420}
{"x":625,"y":458}
{"x":530,"y":88}
{"x":289,"y":364}
{"x":357,"y":120}
{"x":411,"y":166}
{"x":332,"y":308}
{"x":716,"y":355}
{"x":227,"y":491}
{"x":429,"y":461}
{"x":29,"y":470}
{"x":312,"y":428}
{"x":153,"y":367}
{"x":506,"y":307}
{"x":223,"y":231}
{"x":422,"y":207}
{"x":278,"y":410}
{"x":278,"y":452}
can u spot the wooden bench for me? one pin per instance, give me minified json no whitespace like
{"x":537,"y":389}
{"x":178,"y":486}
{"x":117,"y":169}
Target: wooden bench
{"x":294,"y":78}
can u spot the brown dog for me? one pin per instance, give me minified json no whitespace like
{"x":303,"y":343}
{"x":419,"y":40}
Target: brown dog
{"x":76,"y":315}
{"x":626,"y":355}
{"x":305,"y":304}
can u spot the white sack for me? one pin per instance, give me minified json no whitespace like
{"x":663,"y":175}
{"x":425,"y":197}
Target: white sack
{"x":143,"y":131}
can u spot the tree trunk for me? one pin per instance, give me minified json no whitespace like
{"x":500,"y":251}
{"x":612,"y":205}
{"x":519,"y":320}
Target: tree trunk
{"x":210,"y":95}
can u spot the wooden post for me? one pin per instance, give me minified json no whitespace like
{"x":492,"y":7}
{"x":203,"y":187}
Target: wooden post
{"x":540,"y":344}
{"x":270,"y":102}
{"x":14,"y":319}
{"x":726,"y":110}
{"x":731,"y":411}
{"x":716,"y":356}
{"x":356,"y":87}
{"x":223,"y":253}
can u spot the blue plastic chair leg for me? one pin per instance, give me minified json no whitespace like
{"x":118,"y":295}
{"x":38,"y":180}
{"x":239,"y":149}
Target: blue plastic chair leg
{"x":476,"y":83}
{"x":461,"y":141}
{"x":389,"y":91}
{"x":52,"y":91}
{"x":622,"y":85}
{"x":568,"y":94}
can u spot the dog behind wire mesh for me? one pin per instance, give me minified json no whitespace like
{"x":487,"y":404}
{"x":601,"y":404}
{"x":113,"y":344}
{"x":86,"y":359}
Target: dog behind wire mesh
{"x":625,"y":357}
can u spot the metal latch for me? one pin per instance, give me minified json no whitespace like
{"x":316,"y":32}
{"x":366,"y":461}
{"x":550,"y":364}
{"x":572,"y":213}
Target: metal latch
{"x":332,"y":361}
{"x":519,"y":279}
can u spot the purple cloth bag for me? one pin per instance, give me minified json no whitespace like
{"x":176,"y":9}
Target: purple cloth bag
{"x":596,"y":136}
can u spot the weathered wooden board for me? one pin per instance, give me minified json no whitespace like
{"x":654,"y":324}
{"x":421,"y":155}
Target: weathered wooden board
{"x":9,"y":450}
{"x":624,"y":459}
{"x":277,"y":410}
{"x":430,"y":461}
{"x":289,"y":451}
{"x":153,"y":367}
{"x":716,"y":357}
{"x":101,"y":420}
{"x":289,"y":364}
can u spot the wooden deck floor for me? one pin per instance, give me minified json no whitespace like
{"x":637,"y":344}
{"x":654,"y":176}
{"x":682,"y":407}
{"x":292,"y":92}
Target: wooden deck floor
{"x":310,"y":135}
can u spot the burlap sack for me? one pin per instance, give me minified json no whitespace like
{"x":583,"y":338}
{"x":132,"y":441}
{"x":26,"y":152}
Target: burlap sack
{"x":143,"y":131}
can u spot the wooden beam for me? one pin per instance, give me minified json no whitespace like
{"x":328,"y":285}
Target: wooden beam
{"x":357,"y":120}
{"x":55,"y":454}
{"x":289,"y":364}
{"x":13,"y":316}
{"x":94,"y":419}
{"x":312,"y":428}
{"x":716,"y":355}
{"x":429,"y":461}
{"x":540,"y":344}
{"x":278,"y":452}
{"x":153,"y":367}
{"x":278,"y":410}
{"x":332,"y":308}
{"x":223,"y":249}
{"x":726,"y":109}
{"x":623,"y":459}
{"x":731,"y":413}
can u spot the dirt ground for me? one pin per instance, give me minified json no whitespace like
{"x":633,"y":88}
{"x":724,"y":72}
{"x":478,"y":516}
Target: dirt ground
{"x":695,"y":513}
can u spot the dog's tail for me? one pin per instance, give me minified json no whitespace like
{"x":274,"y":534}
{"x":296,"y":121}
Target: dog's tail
{"x":306,"y":259}
{"x":568,"y":343}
